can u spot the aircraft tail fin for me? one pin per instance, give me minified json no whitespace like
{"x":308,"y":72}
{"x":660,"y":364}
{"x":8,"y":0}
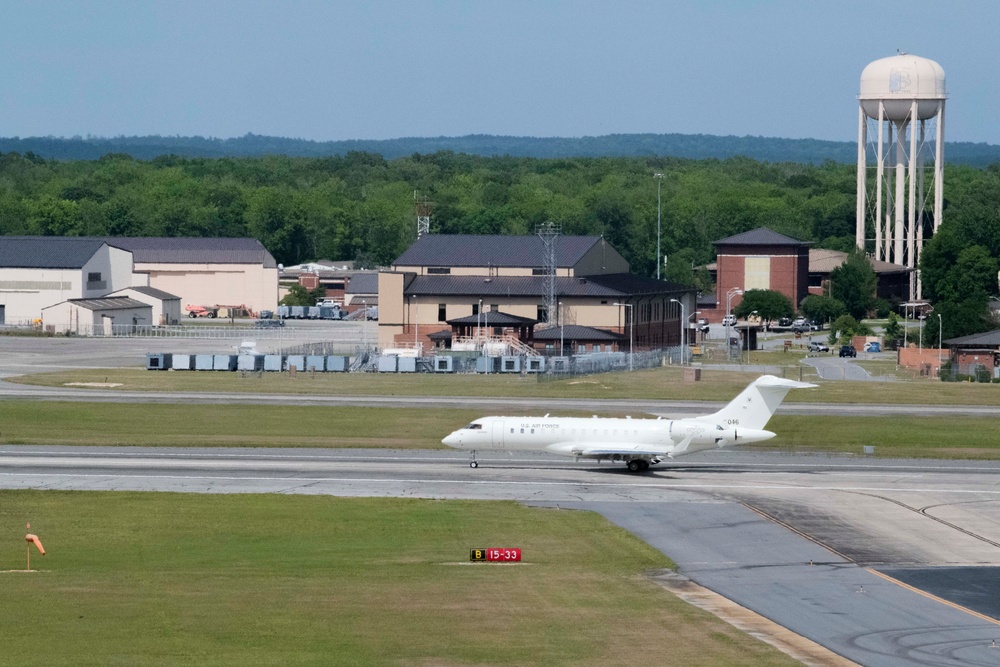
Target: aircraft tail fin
{"x":755,"y":404}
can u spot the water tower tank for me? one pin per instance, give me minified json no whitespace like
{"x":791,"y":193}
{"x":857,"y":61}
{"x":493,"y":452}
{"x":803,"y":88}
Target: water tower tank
{"x":897,"y":81}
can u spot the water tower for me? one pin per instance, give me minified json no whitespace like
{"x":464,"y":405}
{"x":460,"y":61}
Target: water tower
{"x":901,"y":121}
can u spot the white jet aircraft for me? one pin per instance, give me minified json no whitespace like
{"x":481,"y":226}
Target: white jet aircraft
{"x":636,"y":442}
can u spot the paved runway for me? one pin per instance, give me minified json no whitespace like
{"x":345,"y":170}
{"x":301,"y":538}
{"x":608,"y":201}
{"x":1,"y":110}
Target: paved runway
{"x":795,"y":538}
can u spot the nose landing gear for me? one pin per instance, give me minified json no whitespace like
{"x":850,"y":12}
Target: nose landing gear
{"x":473,"y":463}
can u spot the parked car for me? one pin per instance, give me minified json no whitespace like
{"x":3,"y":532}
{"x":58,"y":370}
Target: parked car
{"x":785,"y":322}
{"x":800,"y":322}
{"x":848,"y":351}
{"x":816,"y":346}
{"x":703,"y":325}
{"x":729,"y":320}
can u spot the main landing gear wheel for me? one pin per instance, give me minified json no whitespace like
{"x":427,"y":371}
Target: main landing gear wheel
{"x":638,"y":465}
{"x":473,"y":464}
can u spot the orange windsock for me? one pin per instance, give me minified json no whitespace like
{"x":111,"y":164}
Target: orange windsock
{"x":38,"y":543}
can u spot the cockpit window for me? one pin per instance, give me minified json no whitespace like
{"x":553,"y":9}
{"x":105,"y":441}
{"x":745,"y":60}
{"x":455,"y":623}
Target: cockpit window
{"x":474,"y":427}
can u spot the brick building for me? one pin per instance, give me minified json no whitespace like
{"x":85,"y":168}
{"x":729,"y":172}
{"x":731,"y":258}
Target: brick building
{"x":762,"y":259}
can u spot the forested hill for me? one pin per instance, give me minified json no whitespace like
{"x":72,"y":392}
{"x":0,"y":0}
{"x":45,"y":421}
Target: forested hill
{"x":692,"y":146}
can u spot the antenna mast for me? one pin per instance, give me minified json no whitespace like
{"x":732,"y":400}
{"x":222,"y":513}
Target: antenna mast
{"x":422,"y":208}
{"x":549,"y":233}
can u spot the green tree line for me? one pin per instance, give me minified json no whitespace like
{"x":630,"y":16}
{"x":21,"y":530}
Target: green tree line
{"x":360,"y":206}
{"x":691,"y":146}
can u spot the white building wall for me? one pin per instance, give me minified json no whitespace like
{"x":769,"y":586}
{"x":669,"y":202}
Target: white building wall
{"x":115,"y":268}
{"x":24,"y":292}
{"x":215,"y":284}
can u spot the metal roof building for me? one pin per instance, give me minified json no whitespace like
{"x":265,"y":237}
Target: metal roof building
{"x":47,"y":252}
{"x":449,"y":279}
{"x":182,"y":250}
{"x":496,"y":254}
{"x":98,"y":317}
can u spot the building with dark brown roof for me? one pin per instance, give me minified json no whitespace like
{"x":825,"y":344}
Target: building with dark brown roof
{"x":441,"y":279}
{"x":761,"y":259}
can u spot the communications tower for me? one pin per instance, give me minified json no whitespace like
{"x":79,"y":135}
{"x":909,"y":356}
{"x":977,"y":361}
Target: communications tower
{"x":422,"y":207}
{"x":901,"y":120}
{"x":549,"y":233}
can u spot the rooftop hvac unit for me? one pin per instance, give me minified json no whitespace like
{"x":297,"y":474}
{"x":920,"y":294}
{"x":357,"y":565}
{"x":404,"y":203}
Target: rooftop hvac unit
{"x":273,"y":362}
{"x":487,"y":364}
{"x":316,"y":362}
{"x":224,"y":362}
{"x":204,"y":362}
{"x":336,"y":364}
{"x":444,"y":365}
{"x":296,"y":360}
{"x":559,"y":364}
{"x":510,"y":364}
{"x":250,"y":362}
{"x":158,"y":362}
{"x":534,"y":364}
{"x":182,"y":362}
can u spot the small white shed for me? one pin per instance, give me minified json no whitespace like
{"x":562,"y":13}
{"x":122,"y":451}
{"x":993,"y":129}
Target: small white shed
{"x":106,"y":316}
{"x":166,"y":306}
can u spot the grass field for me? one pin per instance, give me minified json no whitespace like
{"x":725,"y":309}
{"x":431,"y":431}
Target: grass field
{"x":655,"y":384}
{"x":173,"y":425}
{"x":176,"y":579}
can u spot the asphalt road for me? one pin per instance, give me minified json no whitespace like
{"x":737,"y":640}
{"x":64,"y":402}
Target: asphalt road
{"x":798,"y":539}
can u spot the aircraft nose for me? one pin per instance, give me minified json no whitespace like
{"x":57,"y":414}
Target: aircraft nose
{"x":452,"y":439}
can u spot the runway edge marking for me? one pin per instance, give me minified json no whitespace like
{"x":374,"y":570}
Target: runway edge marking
{"x":931,"y":596}
{"x":760,"y":627}
{"x":787,"y":526}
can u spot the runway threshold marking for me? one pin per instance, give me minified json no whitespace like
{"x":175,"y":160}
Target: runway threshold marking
{"x":931,"y":596}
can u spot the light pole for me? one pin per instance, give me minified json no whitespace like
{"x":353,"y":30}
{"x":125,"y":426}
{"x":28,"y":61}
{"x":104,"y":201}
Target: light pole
{"x":939,"y":344}
{"x":733,"y":291}
{"x":479,"y":322}
{"x":906,"y":324}
{"x":631,"y":326}
{"x":562,"y":328}
{"x":364,"y":324}
{"x":659,"y":181}
{"x":416,"y":323}
{"x":683,"y":331}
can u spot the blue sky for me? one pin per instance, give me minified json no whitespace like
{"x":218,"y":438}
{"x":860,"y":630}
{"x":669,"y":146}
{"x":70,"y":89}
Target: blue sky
{"x":384,"y":69}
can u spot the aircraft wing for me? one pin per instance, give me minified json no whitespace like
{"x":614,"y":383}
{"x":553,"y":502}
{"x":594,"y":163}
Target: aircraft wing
{"x":608,"y":449}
